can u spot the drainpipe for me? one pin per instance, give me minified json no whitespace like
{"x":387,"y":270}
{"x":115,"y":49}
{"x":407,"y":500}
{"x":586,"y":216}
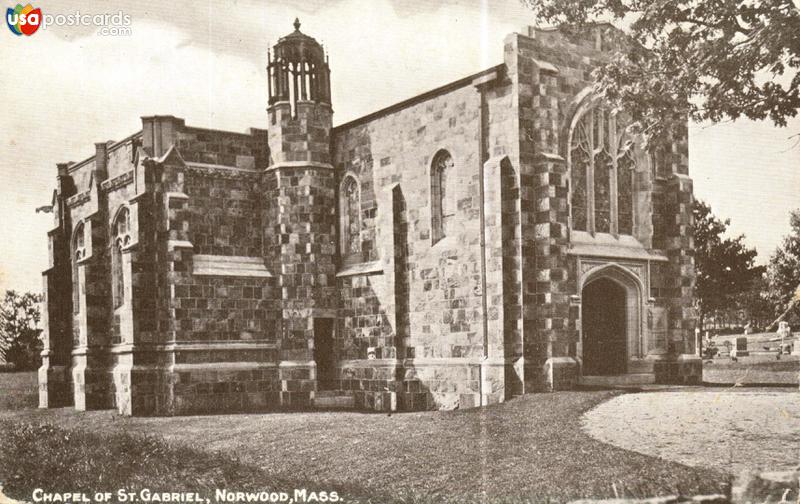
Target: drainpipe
{"x":482,"y":118}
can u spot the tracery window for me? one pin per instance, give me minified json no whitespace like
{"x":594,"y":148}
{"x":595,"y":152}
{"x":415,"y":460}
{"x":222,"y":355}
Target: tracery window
{"x":625,"y":170}
{"x":443,"y":198}
{"x":350,"y":215}
{"x":78,"y":253}
{"x":601,"y":171}
{"x":120,"y":239}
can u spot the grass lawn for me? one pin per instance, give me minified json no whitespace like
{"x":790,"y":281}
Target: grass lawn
{"x":528,"y":448}
{"x":18,"y":390}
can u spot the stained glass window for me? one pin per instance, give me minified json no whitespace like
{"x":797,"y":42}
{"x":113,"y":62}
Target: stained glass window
{"x":78,"y":253}
{"x":350,"y":217}
{"x":625,"y":170}
{"x":601,"y":174}
{"x":581,"y":164}
{"x":119,"y":240}
{"x":443,"y":197}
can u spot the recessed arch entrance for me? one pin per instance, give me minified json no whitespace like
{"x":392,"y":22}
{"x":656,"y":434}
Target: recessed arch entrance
{"x":610,"y":321}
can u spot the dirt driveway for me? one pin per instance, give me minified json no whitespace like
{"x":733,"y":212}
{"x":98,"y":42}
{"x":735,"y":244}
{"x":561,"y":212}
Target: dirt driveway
{"x":727,"y":429}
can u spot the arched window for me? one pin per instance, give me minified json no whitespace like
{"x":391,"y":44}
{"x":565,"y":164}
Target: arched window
{"x":443,"y":198}
{"x":601,"y":168}
{"x":120,"y":238}
{"x":350,"y":216}
{"x":625,"y":169}
{"x":78,"y":253}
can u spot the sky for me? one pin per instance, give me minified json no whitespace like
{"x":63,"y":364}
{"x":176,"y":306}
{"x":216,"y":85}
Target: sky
{"x":66,"y":88}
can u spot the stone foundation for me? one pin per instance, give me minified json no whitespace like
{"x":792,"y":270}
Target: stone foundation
{"x":419,"y":385}
{"x":92,"y":380}
{"x":55,"y":390}
{"x":685,"y":369}
{"x":186,"y":390}
{"x":561,"y":373}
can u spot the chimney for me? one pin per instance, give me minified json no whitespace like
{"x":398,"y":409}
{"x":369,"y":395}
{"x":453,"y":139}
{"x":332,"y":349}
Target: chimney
{"x":159,"y":133}
{"x":101,"y":161}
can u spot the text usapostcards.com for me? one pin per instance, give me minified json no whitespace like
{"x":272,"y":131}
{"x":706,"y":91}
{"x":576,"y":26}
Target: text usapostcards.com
{"x":300,"y":495}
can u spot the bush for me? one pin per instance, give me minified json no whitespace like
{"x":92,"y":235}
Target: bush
{"x":20,"y":344}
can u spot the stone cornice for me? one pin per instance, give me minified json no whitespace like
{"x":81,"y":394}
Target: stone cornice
{"x":78,"y":199}
{"x":221,"y":171}
{"x":299,"y":164}
{"x":117,"y":182}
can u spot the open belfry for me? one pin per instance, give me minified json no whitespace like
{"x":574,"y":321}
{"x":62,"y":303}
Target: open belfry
{"x":503,"y":234}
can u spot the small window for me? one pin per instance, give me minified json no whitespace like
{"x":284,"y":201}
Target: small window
{"x":350,"y":217}
{"x":443,"y":201}
{"x":120,"y":238}
{"x":78,"y":253}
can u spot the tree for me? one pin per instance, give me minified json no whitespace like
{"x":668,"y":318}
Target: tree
{"x":19,"y":333}
{"x":756,"y":303}
{"x":784,"y":271}
{"x":715,"y":59}
{"x":726,"y":270}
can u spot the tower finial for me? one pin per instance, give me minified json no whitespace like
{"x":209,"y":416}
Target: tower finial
{"x":297,"y":24}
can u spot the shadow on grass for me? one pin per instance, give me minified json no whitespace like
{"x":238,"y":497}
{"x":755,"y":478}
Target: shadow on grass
{"x":59,"y":460}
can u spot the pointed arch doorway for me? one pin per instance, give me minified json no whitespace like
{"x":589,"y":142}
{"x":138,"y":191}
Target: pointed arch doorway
{"x":610,"y":322}
{"x":604,"y":331}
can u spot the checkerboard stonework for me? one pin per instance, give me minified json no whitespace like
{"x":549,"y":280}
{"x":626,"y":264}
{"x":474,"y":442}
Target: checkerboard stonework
{"x":447,"y":251}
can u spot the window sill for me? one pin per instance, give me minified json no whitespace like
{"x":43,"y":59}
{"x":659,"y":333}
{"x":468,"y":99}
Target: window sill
{"x":446,"y":242}
{"x":367,"y":268}
{"x":238,"y":266}
{"x":584,"y":244}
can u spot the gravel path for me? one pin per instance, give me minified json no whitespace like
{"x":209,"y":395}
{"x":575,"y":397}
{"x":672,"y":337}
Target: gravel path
{"x":729,"y":430}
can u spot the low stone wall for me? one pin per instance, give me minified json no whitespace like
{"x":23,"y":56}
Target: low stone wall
{"x":770,"y":487}
{"x":686,"y":369}
{"x":669,"y":499}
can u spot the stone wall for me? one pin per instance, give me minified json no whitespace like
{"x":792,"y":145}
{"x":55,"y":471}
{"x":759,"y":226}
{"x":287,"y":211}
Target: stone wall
{"x":243,"y":150}
{"x":224,"y":212}
{"x":176,"y":342}
{"x":217,"y":344}
{"x":552,"y":72}
{"x":437,"y":352}
{"x":300,"y":238}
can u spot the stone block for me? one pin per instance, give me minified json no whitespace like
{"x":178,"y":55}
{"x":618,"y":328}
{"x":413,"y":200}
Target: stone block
{"x":561,"y":373}
{"x":54,"y":387}
{"x":775,"y":486}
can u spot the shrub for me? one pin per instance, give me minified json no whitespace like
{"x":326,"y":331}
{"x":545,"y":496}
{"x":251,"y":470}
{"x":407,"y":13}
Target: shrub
{"x":19,"y":333}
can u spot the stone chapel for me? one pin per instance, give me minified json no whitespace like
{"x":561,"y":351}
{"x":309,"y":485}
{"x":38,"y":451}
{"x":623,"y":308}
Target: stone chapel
{"x":502,"y":234}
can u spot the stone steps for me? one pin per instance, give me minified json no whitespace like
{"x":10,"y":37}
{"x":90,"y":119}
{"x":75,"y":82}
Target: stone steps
{"x":626,"y":380}
{"x":333,"y":399}
{"x":640,"y":366}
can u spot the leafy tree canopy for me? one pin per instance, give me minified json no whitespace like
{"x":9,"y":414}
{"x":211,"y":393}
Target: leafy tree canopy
{"x":725,"y":267}
{"x":718,"y":59}
{"x":19,"y":332}
{"x":784,"y":269}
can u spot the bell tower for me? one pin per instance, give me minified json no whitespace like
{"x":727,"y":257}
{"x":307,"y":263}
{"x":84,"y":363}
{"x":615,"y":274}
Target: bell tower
{"x":300,"y":114}
{"x":300,"y":233}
